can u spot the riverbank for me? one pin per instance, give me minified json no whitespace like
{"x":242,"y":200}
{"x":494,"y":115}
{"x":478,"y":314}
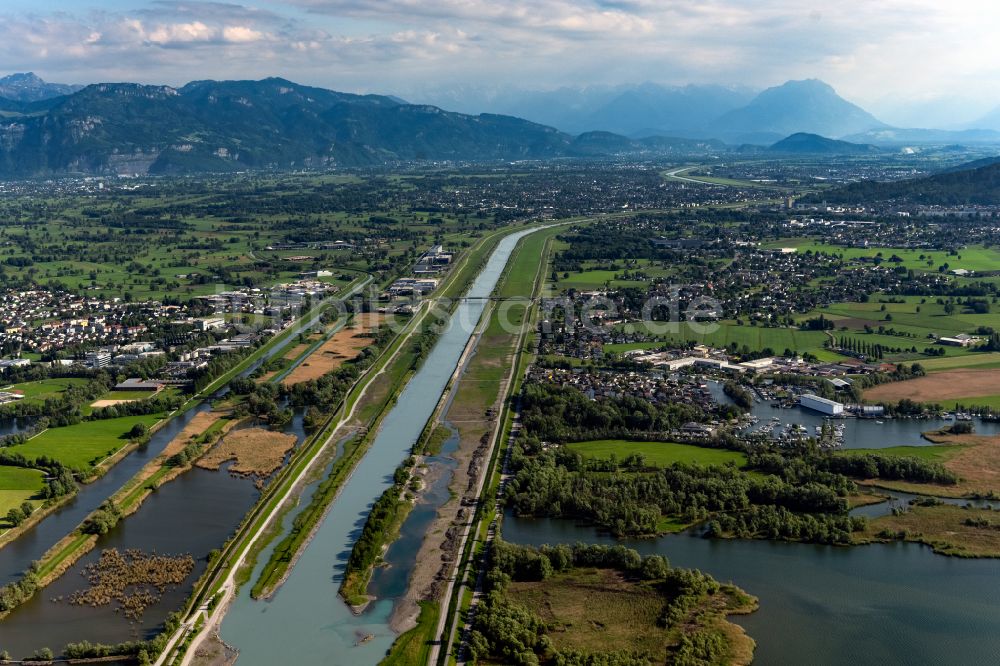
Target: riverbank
{"x":394,"y":510}
{"x":975,"y":459}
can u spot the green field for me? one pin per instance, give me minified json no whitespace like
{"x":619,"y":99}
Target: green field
{"x":46,"y":388}
{"x":725,"y":333}
{"x":19,"y":484}
{"x":83,"y":445}
{"x":598,"y":275}
{"x":657,"y":453}
{"x":917,"y":322}
{"x":984,"y":361}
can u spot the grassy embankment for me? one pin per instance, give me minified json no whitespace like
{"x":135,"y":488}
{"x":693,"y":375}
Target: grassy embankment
{"x":283,"y":556}
{"x":243,"y":547}
{"x":94,"y":446}
{"x":128,"y":498}
{"x":83,"y":446}
{"x":131,"y":496}
{"x":413,"y":646}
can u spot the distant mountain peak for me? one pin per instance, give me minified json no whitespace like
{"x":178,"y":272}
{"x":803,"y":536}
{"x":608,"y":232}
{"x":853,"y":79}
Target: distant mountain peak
{"x":22,"y":78}
{"x":29,"y":87}
{"x":807,"y":105}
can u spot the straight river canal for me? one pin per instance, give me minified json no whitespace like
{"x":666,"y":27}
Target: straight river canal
{"x":306,"y":622}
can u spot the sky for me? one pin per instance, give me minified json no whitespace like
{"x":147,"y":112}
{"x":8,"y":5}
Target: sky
{"x":911,"y":62}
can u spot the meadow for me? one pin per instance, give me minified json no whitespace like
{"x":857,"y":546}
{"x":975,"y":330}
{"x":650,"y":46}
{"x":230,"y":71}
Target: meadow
{"x":38,"y":392}
{"x":18,"y":485}
{"x":725,"y":333}
{"x":659,"y":454}
{"x":595,"y":610}
{"x":85,"y":444}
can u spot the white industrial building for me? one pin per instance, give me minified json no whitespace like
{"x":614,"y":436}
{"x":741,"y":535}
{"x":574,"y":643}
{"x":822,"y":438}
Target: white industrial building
{"x":822,"y":405}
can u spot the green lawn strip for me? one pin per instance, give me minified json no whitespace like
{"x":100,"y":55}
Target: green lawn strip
{"x":275,"y":493}
{"x":285,"y":552}
{"x":50,"y":564}
{"x":983,"y":360}
{"x":657,"y":453}
{"x":724,"y":333}
{"x":127,"y":498}
{"x":392,"y":511}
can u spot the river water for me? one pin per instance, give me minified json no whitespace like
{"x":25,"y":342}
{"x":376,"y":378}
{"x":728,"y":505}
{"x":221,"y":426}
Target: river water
{"x":313,"y":623}
{"x":192,"y":514}
{"x":879,"y":604}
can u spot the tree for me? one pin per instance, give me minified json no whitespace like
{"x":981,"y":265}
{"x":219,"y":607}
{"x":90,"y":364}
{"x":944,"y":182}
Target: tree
{"x":15,"y":517}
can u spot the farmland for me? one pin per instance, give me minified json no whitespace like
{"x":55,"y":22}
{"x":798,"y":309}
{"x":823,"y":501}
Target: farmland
{"x":966,"y":385}
{"x":725,"y":333}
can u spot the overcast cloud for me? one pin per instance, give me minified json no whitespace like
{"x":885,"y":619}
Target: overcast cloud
{"x":888,"y":55}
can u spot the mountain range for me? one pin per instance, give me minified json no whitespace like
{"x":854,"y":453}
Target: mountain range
{"x":635,"y":111}
{"x":735,"y":115}
{"x":278,"y":124}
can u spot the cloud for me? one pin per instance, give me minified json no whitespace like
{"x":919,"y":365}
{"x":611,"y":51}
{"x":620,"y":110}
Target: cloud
{"x":871,"y":51}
